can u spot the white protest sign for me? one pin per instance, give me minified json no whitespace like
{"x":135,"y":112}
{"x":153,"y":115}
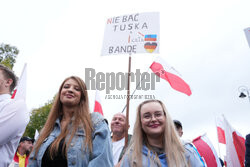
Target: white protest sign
{"x":130,"y":34}
{"x":247,"y":32}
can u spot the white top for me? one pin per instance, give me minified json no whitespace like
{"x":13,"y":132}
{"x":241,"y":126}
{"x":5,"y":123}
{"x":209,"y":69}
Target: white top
{"x":117,"y":149}
{"x":14,"y":117}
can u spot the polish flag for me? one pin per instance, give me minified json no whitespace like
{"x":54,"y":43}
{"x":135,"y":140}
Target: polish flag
{"x":235,"y":146}
{"x":20,"y":91}
{"x":98,"y":107}
{"x":168,"y":73}
{"x":220,"y":130}
{"x":207,"y":151}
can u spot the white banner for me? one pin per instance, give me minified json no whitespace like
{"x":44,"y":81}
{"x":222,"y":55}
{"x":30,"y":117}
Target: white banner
{"x":130,"y":34}
{"x":247,"y":32}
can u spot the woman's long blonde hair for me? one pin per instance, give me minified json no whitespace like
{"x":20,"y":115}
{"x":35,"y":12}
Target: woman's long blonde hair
{"x":172,"y":145}
{"x":82,"y":119}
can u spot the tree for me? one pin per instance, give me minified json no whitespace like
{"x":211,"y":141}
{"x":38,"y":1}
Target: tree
{"x":37,"y":119}
{"x":8,"y":55}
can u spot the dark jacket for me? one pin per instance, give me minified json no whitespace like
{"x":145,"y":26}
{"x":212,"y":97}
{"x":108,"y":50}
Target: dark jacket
{"x":247,"y":155}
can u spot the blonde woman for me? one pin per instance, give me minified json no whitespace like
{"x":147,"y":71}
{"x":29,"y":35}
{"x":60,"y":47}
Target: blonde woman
{"x":71,"y":135}
{"x":155,"y":142}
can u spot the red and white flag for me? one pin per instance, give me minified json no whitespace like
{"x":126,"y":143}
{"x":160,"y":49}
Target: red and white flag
{"x":168,"y":73}
{"x":220,"y":130}
{"x":20,"y":91}
{"x":247,"y":32}
{"x":235,"y":146}
{"x":207,"y":151}
{"x":98,"y":106}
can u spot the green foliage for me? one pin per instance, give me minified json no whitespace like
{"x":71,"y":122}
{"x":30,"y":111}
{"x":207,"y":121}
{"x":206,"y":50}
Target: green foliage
{"x":8,"y":55}
{"x":37,"y":119}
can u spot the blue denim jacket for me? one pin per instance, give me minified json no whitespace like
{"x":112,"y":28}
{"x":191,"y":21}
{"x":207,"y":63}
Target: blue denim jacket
{"x":192,"y":155}
{"x":147,"y":160}
{"x":77,"y":156}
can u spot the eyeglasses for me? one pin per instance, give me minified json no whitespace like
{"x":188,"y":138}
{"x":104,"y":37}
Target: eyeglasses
{"x":148,"y":116}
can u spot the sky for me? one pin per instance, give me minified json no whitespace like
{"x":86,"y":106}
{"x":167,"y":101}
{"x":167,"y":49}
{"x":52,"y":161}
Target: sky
{"x":203,"y":40}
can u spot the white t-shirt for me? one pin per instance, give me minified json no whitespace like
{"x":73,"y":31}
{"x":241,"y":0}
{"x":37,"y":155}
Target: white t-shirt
{"x":14,"y":117}
{"x":117,"y":149}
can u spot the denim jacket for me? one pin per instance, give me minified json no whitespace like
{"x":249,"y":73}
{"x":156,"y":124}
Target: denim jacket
{"x":147,"y":160}
{"x":192,"y":155}
{"x":77,"y":155}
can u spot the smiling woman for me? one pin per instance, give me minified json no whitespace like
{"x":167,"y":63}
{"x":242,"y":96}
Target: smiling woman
{"x":70,"y":93}
{"x":155,"y":141}
{"x":72,"y":135}
{"x":153,"y":120}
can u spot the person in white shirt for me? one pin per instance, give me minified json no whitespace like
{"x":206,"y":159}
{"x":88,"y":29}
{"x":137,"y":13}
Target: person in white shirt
{"x":118,"y":129}
{"x":13,"y":117}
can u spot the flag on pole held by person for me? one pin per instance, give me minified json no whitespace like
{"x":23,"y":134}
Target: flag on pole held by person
{"x":20,"y":91}
{"x":247,"y":32}
{"x":235,"y":145}
{"x":168,"y":73}
{"x":207,"y":151}
{"x":220,"y":130}
{"x":98,"y":107}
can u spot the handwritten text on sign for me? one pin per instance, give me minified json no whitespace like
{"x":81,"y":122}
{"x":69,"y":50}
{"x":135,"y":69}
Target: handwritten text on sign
{"x":135,"y":33}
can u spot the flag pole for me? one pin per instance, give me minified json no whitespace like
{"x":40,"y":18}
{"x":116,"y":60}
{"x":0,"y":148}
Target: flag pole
{"x":142,"y":78}
{"x":128,"y":98}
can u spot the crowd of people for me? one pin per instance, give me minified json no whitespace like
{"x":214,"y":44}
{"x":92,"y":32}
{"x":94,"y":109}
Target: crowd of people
{"x":73,"y":136}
